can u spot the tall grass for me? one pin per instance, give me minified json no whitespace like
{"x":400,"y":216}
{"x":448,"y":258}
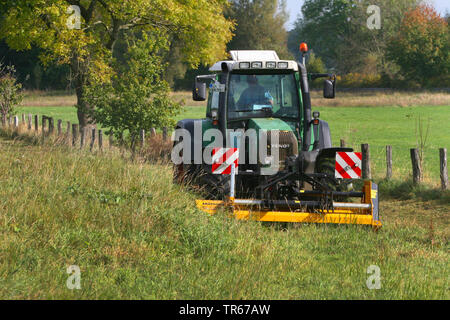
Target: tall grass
{"x":134,"y":234}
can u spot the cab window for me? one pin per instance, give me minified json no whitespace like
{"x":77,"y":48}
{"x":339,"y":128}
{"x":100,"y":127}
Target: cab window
{"x":256,"y":95}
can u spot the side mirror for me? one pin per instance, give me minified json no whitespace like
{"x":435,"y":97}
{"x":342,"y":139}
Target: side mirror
{"x":329,"y":88}
{"x":199,"y":92}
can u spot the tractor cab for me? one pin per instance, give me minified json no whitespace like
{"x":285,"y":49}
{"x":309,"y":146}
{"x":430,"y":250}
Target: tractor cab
{"x":255,"y":84}
{"x":258,"y":90}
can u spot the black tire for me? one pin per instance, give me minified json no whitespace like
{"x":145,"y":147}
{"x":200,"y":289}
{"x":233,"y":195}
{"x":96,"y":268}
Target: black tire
{"x":213,"y":186}
{"x":327,"y":165}
{"x":200,"y":178}
{"x":183,"y":173}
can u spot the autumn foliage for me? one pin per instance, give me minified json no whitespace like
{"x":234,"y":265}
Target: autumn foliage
{"x":421,"y":47}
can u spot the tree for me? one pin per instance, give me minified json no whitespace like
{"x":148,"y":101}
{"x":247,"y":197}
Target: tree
{"x":315,"y":64}
{"x":422,"y":46}
{"x":259,"y":25}
{"x":324,"y":25}
{"x":372,"y":43}
{"x":10,"y":94}
{"x":337,"y":31}
{"x":176,"y":68}
{"x":136,"y":98}
{"x":84,"y":35}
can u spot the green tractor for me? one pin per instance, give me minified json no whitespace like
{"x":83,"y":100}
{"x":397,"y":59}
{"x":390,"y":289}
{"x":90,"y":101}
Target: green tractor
{"x":261,"y":106}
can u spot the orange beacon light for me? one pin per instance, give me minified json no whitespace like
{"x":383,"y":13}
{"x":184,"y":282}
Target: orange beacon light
{"x":303,"y":47}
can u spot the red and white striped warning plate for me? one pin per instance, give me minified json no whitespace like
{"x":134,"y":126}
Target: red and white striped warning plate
{"x":348,"y":165}
{"x":223,"y":158}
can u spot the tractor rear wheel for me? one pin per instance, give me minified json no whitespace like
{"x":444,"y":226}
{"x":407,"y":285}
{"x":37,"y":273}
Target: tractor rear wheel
{"x":327,"y":165}
{"x":200,"y":178}
{"x":214,"y":186}
{"x":183,"y":173}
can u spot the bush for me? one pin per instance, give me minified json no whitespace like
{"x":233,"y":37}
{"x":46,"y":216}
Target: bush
{"x":10,"y":94}
{"x":138,"y":97}
{"x":358,"y":80}
{"x":421,"y":46}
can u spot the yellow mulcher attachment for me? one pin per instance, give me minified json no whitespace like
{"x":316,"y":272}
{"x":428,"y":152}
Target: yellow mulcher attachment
{"x":317,"y":211}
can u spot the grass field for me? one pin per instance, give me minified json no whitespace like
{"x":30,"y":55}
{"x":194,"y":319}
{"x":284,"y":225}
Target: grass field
{"x":134,"y":234}
{"x":377,"y":118}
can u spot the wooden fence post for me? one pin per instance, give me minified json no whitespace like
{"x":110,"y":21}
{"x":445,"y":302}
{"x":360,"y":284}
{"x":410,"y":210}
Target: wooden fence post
{"x":59,"y":127}
{"x":30,"y":121}
{"x":152,"y":132}
{"x":43,"y":128}
{"x":121,"y":141}
{"x":111,"y":140}
{"x":388,"y":162}
{"x":82,"y":134}
{"x":342,"y":143}
{"x":36,"y":122}
{"x":74,"y":134}
{"x":164,"y":132}
{"x":417,"y":170}
{"x":43,"y":123}
{"x":142,"y":137}
{"x":133,"y":145}
{"x":100,"y":140}
{"x":23,"y":118}
{"x":366,"y":173}
{"x":68,"y":128}
{"x":16,"y":122}
{"x":443,"y":165}
{"x":91,"y":147}
{"x":51,"y":125}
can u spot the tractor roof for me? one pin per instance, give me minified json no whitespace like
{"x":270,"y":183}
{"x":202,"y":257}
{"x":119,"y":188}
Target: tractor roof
{"x":254,"y":59}
{"x":254,"y":55}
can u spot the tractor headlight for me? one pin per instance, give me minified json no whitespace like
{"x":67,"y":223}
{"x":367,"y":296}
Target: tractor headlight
{"x":244,"y":65}
{"x":271,"y":65}
{"x":257,"y":65}
{"x":283,"y":65}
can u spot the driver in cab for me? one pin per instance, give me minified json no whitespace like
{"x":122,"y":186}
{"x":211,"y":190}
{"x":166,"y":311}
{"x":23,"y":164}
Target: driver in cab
{"x":254,"y":94}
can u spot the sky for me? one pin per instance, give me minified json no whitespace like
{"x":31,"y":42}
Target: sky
{"x":294,"y":6}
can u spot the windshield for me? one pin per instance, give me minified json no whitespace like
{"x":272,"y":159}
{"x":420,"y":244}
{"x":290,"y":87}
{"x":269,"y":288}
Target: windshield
{"x":256,"y":95}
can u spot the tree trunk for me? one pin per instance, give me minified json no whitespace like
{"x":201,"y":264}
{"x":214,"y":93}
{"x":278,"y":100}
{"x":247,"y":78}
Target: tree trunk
{"x":82,"y":106}
{"x":79,"y":70}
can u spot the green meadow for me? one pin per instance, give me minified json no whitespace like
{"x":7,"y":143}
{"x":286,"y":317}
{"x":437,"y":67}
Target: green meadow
{"x":378,"y":126}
